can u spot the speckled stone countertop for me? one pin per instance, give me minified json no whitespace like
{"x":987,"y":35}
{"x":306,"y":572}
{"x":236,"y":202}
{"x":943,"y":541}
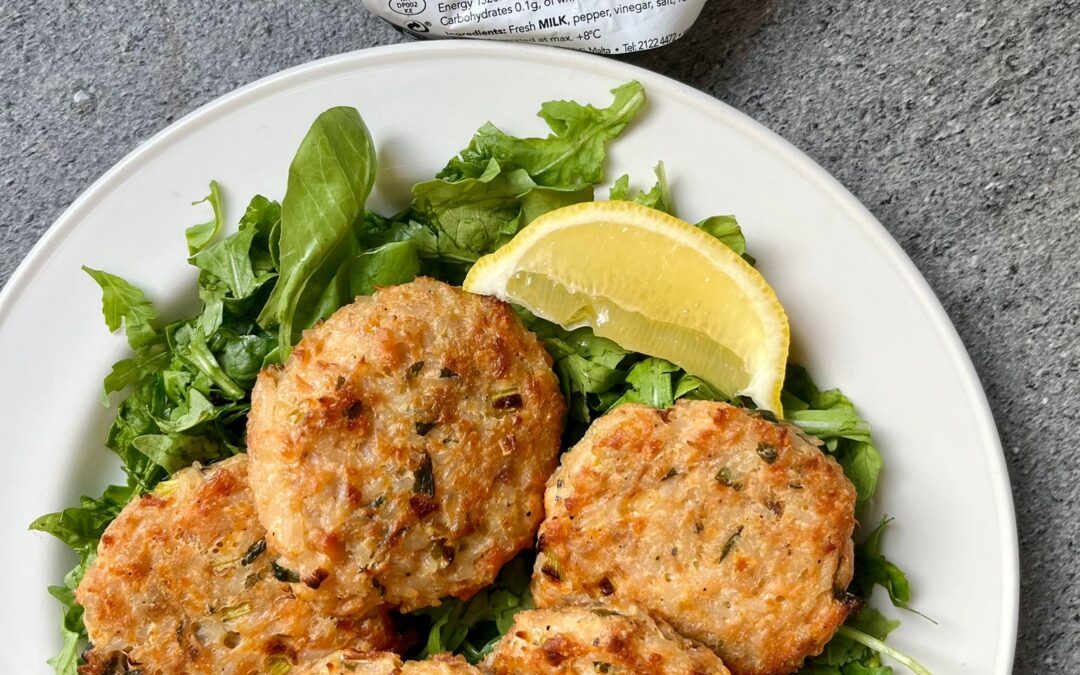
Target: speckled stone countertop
{"x":955,"y":122}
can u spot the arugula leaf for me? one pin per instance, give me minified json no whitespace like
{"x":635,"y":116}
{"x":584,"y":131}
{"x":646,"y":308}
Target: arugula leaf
{"x":191,"y":412}
{"x":189,"y":345}
{"x":862,"y":465}
{"x":694,"y":388}
{"x":233,"y":270}
{"x":841,"y":651}
{"x":856,"y":647}
{"x":876,"y":644}
{"x":473,"y":628}
{"x":182,"y":406}
{"x":848,"y":657}
{"x":727,"y":230}
{"x":230,"y":261}
{"x":122,"y":302}
{"x":826,"y":414}
{"x":856,"y":668}
{"x":80,"y":528}
{"x":573,"y":155}
{"x":134,"y":418}
{"x":659,"y":197}
{"x":189,"y":380}
{"x":873,"y":568}
{"x":198,"y":236}
{"x":173,"y":452}
{"x":587,"y":366}
{"x":72,"y":631}
{"x":650,"y":382}
{"x":498,"y":184}
{"x":831,"y":416}
{"x":264,"y":215}
{"x":330,"y":179}
{"x":212,"y":292}
{"x":126,"y":372}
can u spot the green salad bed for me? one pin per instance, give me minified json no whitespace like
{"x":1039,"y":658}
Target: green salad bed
{"x":184,"y":393}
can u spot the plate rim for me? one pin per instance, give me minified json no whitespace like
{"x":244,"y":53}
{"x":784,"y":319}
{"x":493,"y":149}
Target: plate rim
{"x":768,"y":140}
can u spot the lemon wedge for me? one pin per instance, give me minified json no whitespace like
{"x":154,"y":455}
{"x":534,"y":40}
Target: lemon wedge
{"x":652,"y":283}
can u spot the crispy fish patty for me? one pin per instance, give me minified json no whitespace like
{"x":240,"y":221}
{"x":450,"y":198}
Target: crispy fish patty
{"x":597,"y":640}
{"x":400,"y":454}
{"x":183,"y":583}
{"x":351,"y":662}
{"x":735,"y":530}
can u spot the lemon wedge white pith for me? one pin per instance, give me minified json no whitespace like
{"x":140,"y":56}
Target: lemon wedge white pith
{"x":652,"y":283}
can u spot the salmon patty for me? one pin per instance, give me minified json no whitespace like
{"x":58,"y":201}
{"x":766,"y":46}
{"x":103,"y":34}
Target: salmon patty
{"x":183,"y":584}
{"x":596,"y":639}
{"x":351,"y":662}
{"x":400,"y":454}
{"x":735,"y":530}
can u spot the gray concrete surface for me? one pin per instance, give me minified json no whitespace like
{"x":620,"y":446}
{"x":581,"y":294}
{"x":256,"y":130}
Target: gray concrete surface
{"x":954,"y":121}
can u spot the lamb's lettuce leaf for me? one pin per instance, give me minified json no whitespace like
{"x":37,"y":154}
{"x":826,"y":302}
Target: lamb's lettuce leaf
{"x":330,"y":179}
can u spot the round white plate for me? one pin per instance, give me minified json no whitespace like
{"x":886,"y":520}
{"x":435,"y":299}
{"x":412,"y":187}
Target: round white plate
{"x":862,"y":317}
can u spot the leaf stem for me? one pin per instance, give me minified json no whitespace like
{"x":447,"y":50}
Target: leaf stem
{"x":882,"y":648}
{"x":843,"y":428}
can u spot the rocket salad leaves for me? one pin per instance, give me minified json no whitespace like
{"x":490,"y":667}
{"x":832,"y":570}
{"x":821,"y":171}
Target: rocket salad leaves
{"x":292,"y":263}
{"x":572,"y":156}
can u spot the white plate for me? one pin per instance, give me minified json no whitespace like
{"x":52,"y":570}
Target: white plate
{"x":862,"y":316}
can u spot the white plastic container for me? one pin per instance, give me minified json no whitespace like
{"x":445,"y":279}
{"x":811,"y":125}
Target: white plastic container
{"x":614,"y":27}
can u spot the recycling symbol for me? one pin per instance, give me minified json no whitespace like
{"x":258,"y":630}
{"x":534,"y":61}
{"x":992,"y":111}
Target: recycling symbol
{"x":417,"y":26}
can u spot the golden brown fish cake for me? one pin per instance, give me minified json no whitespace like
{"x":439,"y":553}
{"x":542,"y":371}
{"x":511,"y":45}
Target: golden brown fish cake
{"x":183,"y":584}
{"x":734,"y":530}
{"x":351,"y":662}
{"x":400,"y":455}
{"x":569,"y":640}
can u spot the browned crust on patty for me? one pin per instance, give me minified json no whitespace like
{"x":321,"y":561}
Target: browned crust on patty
{"x":569,"y":640}
{"x":735,"y":530}
{"x":178,"y":586}
{"x":401,"y":453}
